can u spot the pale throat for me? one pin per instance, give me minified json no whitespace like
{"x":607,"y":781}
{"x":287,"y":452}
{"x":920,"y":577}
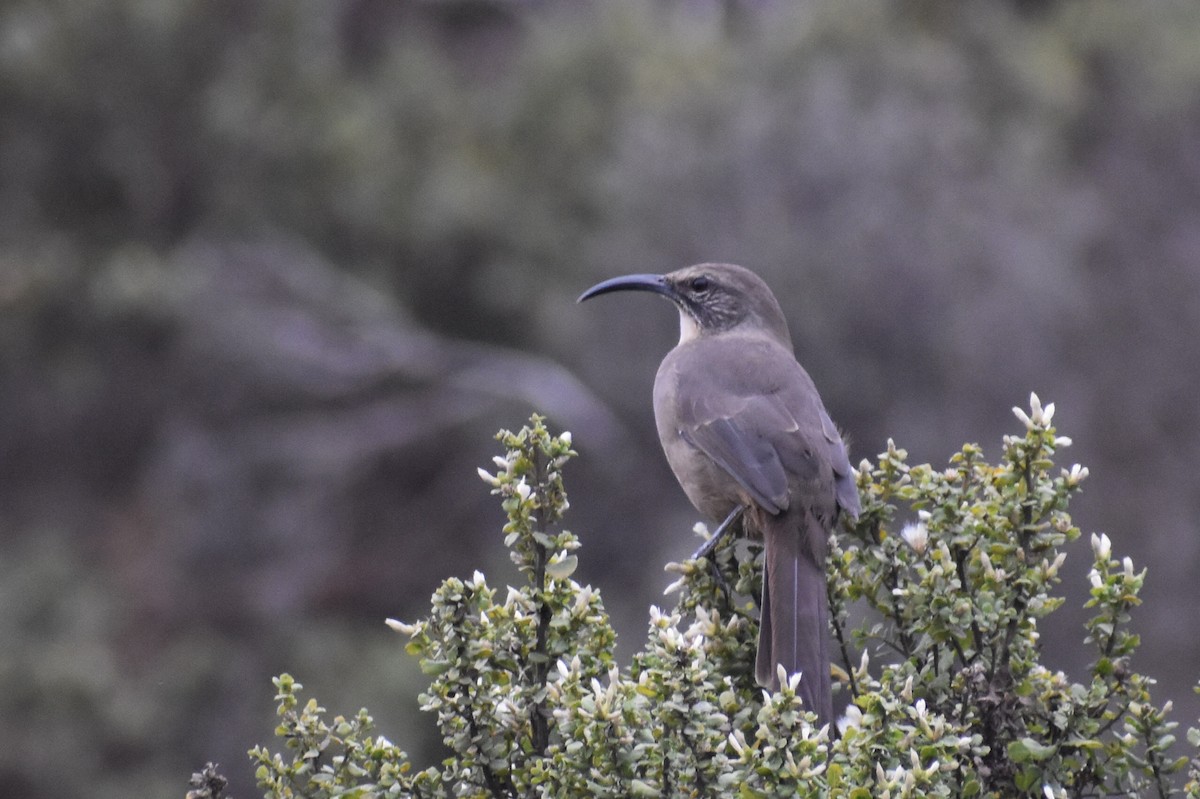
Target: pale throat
{"x":688,"y":329}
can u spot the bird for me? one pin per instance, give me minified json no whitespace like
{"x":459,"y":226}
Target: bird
{"x":746,"y":435}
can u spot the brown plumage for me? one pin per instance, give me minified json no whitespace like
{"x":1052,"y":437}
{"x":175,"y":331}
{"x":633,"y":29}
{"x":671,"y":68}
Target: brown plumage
{"x":742,"y":424}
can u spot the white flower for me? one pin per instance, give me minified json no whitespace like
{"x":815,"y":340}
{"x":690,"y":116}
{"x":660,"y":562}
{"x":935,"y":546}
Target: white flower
{"x":1024,"y":417}
{"x":917,"y":536}
{"x":1038,"y":417}
{"x":792,"y":681}
{"x":565,"y":437}
{"x":852,"y":719}
{"x":1101,"y":546}
{"x":1095,"y":578}
{"x":401,"y":627}
{"x":523,"y":489}
{"x":583,"y":601}
{"x":1035,"y":405}
{"x":1076,"y":476}
{"x":488,"y":477}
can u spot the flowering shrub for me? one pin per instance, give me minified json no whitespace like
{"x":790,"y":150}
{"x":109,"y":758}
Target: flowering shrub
{"x":948,"y":572}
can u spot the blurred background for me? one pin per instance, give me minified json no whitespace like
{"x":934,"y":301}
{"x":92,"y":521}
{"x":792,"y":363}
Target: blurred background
{"x":272,"y":273}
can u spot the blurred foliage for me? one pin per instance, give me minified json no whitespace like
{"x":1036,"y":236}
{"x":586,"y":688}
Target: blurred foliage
{"x":529,"y":701}
{"x":270,"y":271}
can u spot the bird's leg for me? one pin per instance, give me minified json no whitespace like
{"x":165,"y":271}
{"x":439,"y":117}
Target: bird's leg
{"x":708,"y":546}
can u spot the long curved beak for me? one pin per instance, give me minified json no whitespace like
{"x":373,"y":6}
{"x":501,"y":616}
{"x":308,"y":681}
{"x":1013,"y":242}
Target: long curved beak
{"x":655,"y":283}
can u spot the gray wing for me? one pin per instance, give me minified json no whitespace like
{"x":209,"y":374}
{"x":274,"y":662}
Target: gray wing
{"x":767,"y":432}
{"x":759,"y":441}
{"x":739,"y":447}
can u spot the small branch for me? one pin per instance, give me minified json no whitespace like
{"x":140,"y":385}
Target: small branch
{"x":1019,"y":600}
{"x":840,"y":635}
{"x":893,"y":583}
{"x":501,"y":789}
{"x":541,"y":666}
{"x":960,"y":562}
{"x":701,"y":786}
{"x":497,"y":787}
{"x":1156,"y":768}
{"x":958,"y":651}
{"x":494,"y":786}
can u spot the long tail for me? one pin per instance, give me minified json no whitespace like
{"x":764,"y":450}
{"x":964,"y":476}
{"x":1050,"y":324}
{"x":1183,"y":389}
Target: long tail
{"x":795,"y":615}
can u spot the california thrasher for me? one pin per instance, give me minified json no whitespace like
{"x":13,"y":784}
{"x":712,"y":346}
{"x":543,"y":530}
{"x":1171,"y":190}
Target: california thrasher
{"x":745,"y":432}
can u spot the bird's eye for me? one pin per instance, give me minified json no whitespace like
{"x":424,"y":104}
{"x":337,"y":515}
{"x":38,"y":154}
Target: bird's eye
{"x":700,"y":284}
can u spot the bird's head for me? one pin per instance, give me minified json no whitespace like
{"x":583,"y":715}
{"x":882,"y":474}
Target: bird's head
{"x":711,"y":298}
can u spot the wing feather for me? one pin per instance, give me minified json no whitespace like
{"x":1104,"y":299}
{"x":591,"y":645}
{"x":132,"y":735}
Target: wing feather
{"x":763,"y":428}
{"x":750,"y":459}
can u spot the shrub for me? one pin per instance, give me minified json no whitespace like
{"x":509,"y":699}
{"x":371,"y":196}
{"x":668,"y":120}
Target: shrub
{"x":935,"y":622}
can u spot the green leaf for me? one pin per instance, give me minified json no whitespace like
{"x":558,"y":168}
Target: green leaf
{"x":564,"y":568}
{"x":1090,"y":744}
{"x":1027,"y":778}
{"x":434,"y":667}
{"x":1028,"y":749}
{"x":640,"y":788}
